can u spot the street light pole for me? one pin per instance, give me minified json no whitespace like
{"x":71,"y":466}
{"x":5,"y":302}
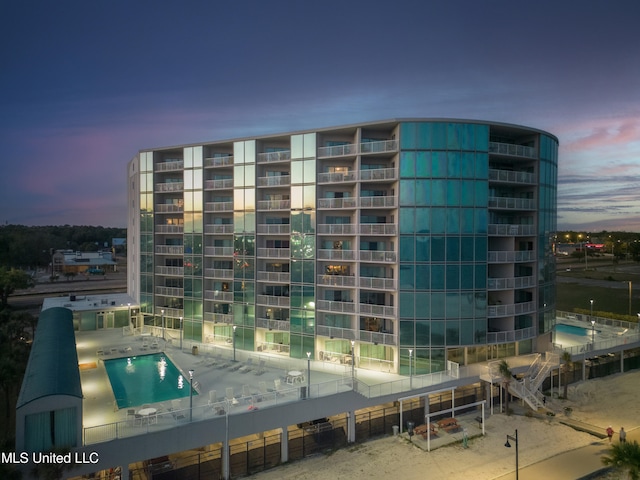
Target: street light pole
{"x":591,"y":302}
{"x":508,"y":445}
{"x":410,"y":369}
{"x":234,"y":343}
{"x":181,"y":333}
{"x":308,"y":375}
{"x":629,"y":297}
{"x":593,"y":334}
{"x":353,"y":364}
{"x":191,"y":372}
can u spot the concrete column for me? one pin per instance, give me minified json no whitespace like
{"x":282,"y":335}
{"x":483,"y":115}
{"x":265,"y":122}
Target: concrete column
{"x":351,"y":427}
{"x":284,"y":445}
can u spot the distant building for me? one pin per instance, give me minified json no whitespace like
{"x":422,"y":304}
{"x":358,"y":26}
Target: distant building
{"x":70,"y":261}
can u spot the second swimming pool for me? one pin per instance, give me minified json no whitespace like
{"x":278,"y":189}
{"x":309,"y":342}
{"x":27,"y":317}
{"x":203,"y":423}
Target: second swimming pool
{"x":145,"y":379}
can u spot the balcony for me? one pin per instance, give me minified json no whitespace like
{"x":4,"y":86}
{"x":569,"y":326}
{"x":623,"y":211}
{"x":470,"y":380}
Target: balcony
{"x":512,"y":150}
{"x":511,"y":283}
{"x":218,"y":296}
{"x":169,"y":208}
{"x":344,"y":255}
{"x":378,"y":229}
{"x":337,"y":203}
{"x":510,"y":203}
{"x":511,"y":257}
{"x":274,"y":252}
{"x":273,"y":300}
{"x":219,"y":229}
{"x":280,"y":156}
{"x":336,"y":280}
{"x":169,"y":228}
{"x":495,"y":311}
{"x":218,"y":317}
{"x":218,"y":184}
{"x":169,"y":250}
{"x":378,"y":174}
{"x":337,"y":229}
{"x":336,"y":332}
{"x":210,"y":207}
{"x":379,"y":256}
{"x":377,"y":337}
{"x":334,"y":306}
{"x":511,"y":336}
{"x":274,"y":277}
{"x":274,"y":204}
{"x":170,"y":166}
{"x":276,"y":181}
{"x":169,"y":187}
{"x":274,"y":229}
{"x":226,"y":161}
{"x":510,"y":176}
{"x":338,"y":150}
{"x":384,"y":146}
{"x":170,"y":271}
{"x":377,"y":283}
{"x":384,"y":311}
{"x":219,"y":273}
{"x":503,"y":230}
{"x":169,"y":291}
{"x":218,"y":251}
{"x":270,"y":324}
{"x":337,"y":177}
{"x":378,"y":202}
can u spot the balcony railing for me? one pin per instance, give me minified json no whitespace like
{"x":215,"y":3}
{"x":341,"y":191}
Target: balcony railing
{"x":274,"y":252}
{"x":218,"y":207}
{"x":219,"y":251}
{"x":511,"y":257}
{"x":218,"y":229}
{"x":169,"y":250}
{"x":494,"y":311}
{"x":169,"y":208}
{"x":273,"y":300}
{"x":336,"y":281}
{"x":385,"y":311}
{"x":334,"y":306}
{"x":336,"y":332}
{"x":221,"y":273}
{"x":377,"y":337}
{"x":274,"y":204}
{"x":276,"y":181}
{"x":169,"y":166}
{"x":170,"y":271}
{"x":511,"y":230}
{"x":377,"y":283}
{"x":219,"y":161}
{"x":272,"y":229}
{"x":274,"y":156}
{"x":352,"y":149}
{"x":337,"y":177}
{"x":281,"y":325}
{"x":218,"y":184}
{"x":338,"y":150}
{"x":379,"y":147}
{"x":510,"y":283}
{"x":511,"y":336}
{"x":510,"y":176}
{"x":275,"y":277}
{"x":217,"y":295}
{"x":378,"y":229}
{"x":169,"y":228}
{"x":345,"y":255}
{"x":377,"y":256}
{"x":378,"y":202}
{"x":170,"y":291}
{"x":512,"y":150}
{"x":337,"y":203}
{"x":337,"y":229}
{"x":378,"y":174}
{"x":169,"y":187}
{"x":218,"y":317}
{"x":510,"y":203}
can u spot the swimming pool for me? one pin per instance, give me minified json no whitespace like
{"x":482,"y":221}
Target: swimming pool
{"x":145,"y":379}
{"x":574,"y":330}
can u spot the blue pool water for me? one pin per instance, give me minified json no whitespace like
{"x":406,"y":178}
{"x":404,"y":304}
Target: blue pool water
{"x":145,"y":379}
{"x":574,"y":330}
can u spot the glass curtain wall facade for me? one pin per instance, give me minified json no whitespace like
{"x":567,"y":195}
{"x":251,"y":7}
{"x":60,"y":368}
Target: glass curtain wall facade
{"x":356,"y":243}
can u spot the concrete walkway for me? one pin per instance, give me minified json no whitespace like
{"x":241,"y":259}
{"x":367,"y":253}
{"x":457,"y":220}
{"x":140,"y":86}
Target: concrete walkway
{"x":577,"y":464}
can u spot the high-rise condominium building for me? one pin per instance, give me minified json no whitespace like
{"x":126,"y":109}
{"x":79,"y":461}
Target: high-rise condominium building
{"x":402,"y":243}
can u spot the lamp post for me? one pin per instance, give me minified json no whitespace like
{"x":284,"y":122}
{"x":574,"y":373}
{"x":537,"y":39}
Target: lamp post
{"x":129,"y":310}
{"x":411,"y":368}
{"x":591,"y":302}
{"x":308,"y":375}
{"x":234,"y":343}
{"x":191,"y":372}
{"x":353,"y":364}
{"x":629,"y":297}
{"x":593,"y":334}
{"x":181,"y":333}
{"x":162,"y":321}
{"x":508,"y":445}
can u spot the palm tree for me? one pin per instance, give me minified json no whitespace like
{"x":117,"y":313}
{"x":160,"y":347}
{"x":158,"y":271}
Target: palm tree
{"x":625,"y":456}
{"x":566,"y":364}
{"x":506,"y":375}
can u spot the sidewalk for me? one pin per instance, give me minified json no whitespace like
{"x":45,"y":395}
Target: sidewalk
{"x":576,"y":464}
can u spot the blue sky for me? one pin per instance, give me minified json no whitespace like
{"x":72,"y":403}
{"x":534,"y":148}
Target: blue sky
{"x":85,"y":85}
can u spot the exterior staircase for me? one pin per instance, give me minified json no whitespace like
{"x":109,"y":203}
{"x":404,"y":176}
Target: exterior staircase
{"x":528,"y":388}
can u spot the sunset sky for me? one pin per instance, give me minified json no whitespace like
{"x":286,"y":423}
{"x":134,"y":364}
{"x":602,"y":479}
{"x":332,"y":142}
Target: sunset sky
{"x":85,"y":84}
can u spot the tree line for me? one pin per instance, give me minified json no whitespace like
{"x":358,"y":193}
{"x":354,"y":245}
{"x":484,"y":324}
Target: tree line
{"x":30,"y":247}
